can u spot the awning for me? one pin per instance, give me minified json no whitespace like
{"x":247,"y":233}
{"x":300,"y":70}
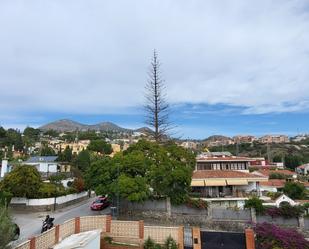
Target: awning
{"x":213,"y":183}
{"x":237,"y":182}
{"x":197,"y":183}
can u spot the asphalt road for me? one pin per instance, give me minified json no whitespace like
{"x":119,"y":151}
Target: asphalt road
{"x":30,"y":223}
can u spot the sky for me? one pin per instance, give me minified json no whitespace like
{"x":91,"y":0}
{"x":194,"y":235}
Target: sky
{"x":230,"y":67}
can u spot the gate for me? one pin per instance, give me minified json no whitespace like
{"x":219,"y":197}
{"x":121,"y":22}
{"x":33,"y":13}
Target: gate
{"x":223,"y":240}
{"x":188,"y":241}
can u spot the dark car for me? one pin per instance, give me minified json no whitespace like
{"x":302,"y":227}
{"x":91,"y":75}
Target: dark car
{"x":100,"y":203}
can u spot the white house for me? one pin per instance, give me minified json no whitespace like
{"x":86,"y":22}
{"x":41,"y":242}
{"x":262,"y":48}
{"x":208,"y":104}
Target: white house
{"x":282,"y":198}
{"x":44,"y":164}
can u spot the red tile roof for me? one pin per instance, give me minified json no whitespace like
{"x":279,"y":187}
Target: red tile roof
{"x":267,"y":172}
{"x":278,"y":183}
{"x":202,"y":174}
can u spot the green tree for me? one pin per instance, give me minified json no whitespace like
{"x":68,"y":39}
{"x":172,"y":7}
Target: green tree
{"x":7,"y":228}
{"x":145,"y":169}
{"x":47,"y":151}
{"x":100,"y":146}
{"x":295,"y":190}
{"x":292,"y":161}
{"x":51,"y":133}
{"x":101,"y":176}
{"x":32,"y":133}
{"x":82,"y":161}
{"x":22,"y":181}
{"x":66,"y":155}
{"x":5,"y":198}
{"x":255,"y":203}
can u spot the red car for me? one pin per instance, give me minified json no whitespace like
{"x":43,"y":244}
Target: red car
{"x":100,"y":203}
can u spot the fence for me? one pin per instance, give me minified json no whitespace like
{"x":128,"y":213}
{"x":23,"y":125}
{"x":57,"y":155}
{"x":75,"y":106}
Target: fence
{"x":133,"y":232}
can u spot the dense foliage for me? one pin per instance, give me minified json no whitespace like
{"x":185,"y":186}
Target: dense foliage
{"x":169,"y":243}
{"x":22,"y":181}
{"x":255,"y":203}
{"x":295,"y":190}
{"x":100,"y":146}
{"x":276,"y":176}
{"x":6,"y":228}
{"x":197,"y":203}
{"x":270,"y":236}
{"x":25,"y":181}
{"x":285,"y":210}
{"x":145,"y":169}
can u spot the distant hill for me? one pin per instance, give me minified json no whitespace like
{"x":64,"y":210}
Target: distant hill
{"x":67,"y":125}
{"x":216,"y":138}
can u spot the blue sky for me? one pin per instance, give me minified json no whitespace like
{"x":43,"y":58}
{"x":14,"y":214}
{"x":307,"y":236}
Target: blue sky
{"x":230,"y":67}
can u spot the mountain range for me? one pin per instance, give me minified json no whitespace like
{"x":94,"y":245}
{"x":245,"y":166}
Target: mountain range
{"x":67,"y":125}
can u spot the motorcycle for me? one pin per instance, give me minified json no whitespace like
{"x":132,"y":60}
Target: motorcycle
{"x":47,"y":224}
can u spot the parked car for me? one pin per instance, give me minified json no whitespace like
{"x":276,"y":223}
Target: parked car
{"x":100,"y":203}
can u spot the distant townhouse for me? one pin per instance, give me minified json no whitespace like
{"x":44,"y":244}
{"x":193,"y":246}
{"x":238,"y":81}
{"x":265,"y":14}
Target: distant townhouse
{"x":300,"y":138}
{"x":274,"y":139}
{"x":225,"y":180}
{"x":76,"y":147}
{"x":244,"y":139}
{"x":189,"y":145}
{"x":261,"y":162}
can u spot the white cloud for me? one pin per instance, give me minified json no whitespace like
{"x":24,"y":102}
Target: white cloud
{"x":91,"y":56}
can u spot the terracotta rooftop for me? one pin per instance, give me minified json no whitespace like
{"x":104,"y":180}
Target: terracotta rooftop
{"x":202,"y":174}
{"x":267,"y":172}
{"x":278,"y":183}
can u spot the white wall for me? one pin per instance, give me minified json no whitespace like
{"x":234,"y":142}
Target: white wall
{"x":47,"y":201}
{"x":44,"y":167}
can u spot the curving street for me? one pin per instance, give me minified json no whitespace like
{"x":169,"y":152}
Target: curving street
{"x":30,"y":223}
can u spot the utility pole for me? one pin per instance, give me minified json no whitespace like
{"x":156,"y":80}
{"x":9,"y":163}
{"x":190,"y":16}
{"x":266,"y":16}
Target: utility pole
{"x":117,"y":190}
{"x":268,"y":153}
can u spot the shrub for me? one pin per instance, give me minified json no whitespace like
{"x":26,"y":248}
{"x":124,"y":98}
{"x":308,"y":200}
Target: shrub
{"x":6,"y":228}
{"x":79,"y":184}
{"x":197,"y":203}
{"x":286,"y":211}
{"x":277,"y":176}
{"x":270,"y":236}
{"x":57,"y":178}
{"x":274,"y":195}
{"x":108,"y":239}
{"x":170,"y":243}
{"x":295,"y":190}
{"x":149,"y":243}
{"x":255,"y":203}
{"x":22,"y":181}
